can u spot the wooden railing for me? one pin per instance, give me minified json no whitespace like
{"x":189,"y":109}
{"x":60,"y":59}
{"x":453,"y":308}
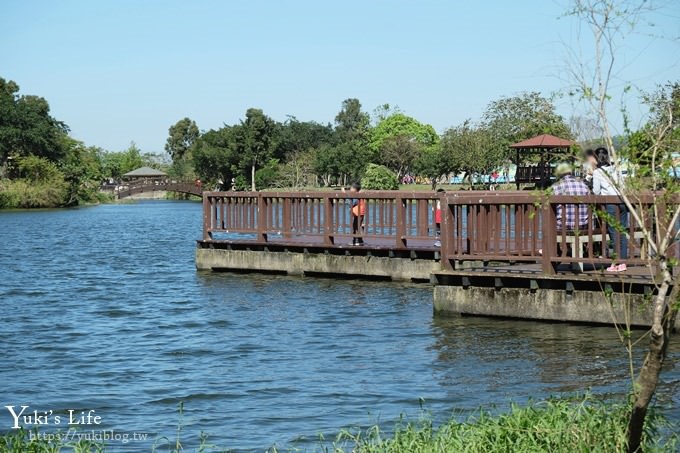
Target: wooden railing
{"x":393,"y":219}
{"x":525,"y":227}
{"x":486,"y":227}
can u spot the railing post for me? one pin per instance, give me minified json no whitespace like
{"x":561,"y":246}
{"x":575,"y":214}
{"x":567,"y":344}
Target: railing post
{"x":328,"y":227}
{"x":400,"y":206}
{"x":422,"y":220}
{"x":261,"y":218}
{"x":446,"y":234}
{"x":549,"y":239}
{"x":207,"y":218}
{"x":287,"y":221}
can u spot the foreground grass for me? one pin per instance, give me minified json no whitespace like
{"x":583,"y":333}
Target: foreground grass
{"x":30,"y":441}
{"x":553,"y":426}
{"x":557,"y":425}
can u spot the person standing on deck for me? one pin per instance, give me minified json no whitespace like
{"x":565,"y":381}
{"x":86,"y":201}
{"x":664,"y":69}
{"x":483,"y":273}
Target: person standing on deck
{"x":438,"y":219}
{"x":358,"y":211}
{"x":589,"y":167}
{"x":607,"y":180}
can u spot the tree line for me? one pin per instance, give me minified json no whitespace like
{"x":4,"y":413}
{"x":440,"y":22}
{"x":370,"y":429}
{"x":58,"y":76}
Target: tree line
{"x":42,"y":166}
{"x":260,"y":152}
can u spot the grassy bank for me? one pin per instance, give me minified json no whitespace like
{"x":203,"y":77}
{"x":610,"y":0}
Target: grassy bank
{"x":559,"y":425}
{"x":25,"y":194}
{"x":552,"y":426}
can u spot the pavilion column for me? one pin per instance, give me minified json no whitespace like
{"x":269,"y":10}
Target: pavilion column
{"x":517,"y":170}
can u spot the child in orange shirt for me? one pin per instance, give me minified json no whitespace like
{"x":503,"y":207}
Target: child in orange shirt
{"x":358,"y":212}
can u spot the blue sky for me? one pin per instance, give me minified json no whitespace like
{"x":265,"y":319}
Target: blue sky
{"x":125,"y":70}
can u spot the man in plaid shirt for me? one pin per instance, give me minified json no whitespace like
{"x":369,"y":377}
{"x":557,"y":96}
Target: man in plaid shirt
{"x":567,"y":184}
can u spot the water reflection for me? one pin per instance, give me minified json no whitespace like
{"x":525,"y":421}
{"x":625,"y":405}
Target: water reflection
{"x":516,"y":360}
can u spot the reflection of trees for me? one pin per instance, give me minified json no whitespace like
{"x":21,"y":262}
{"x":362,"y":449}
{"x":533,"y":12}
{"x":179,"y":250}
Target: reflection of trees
{"x":519,"y":359}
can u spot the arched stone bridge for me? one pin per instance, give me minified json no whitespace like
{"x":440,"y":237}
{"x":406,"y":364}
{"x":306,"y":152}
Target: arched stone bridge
{"x":190,"y":188}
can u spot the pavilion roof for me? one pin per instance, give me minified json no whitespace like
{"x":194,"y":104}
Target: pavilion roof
{"x":144,"y":172}
{"x":546,"y":141}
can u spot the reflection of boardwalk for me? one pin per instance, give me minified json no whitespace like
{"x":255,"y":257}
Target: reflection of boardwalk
{"x":189,"y":188}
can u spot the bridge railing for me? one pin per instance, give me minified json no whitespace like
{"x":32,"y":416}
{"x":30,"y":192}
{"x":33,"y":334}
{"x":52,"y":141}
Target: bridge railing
{"x":526,"y":227}
{"x":394,"y":219}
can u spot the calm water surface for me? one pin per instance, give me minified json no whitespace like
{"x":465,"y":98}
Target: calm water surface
{"x":103,"y":309}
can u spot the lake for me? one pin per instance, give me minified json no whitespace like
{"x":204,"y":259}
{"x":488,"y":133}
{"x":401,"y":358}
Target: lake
{"x":103,"y":310}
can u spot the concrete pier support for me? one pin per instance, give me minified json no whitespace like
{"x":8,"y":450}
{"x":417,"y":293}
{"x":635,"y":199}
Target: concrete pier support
{"x":549,"y":300}
{"x":353,"y":264}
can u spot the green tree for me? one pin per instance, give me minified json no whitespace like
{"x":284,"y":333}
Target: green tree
{"x":399,"y":124}
{"x":299,"y":170}
{"x":434,"y":163}
{"x":132,"y":158}
{"x":384,"y":111}
{"x":296,"y":136}
{"x":83,"y":172}
{"x":326,"y":164}
{"x":351,"y":123}
{"x":269,"y":174}
{"x":398,"y":139}
{"x":116,"y":164}
{"x":400,"y":153}
{"x":26,"y":126}
{"x":182,"y":136}
{"x":216,"y":155}
{"x":470,"y":148}
{"x":37,"y":169}
{"x":255,"y":140}
{"x":379,"y":177}
{"x":351,"y":152}
{"x":513,"y":119}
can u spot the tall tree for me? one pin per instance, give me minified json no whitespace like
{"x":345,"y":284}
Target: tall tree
{"x":256,"y":140}
{"x":182,"y":135}
{"x":26,"y":126}
{"x":352,"y":132}
{"x":351,"y":123}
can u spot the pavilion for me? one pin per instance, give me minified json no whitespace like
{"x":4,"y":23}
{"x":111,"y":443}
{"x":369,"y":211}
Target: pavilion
{"x":547,"y":147}
{"x":144,"y":174}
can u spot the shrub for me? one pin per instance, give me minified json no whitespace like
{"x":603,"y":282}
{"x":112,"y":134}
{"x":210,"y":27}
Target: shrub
{"x":21,"y":193}
{"x":379,"y":177}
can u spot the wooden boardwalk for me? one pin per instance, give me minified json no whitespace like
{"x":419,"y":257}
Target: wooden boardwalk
{"x":512,"y":234}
